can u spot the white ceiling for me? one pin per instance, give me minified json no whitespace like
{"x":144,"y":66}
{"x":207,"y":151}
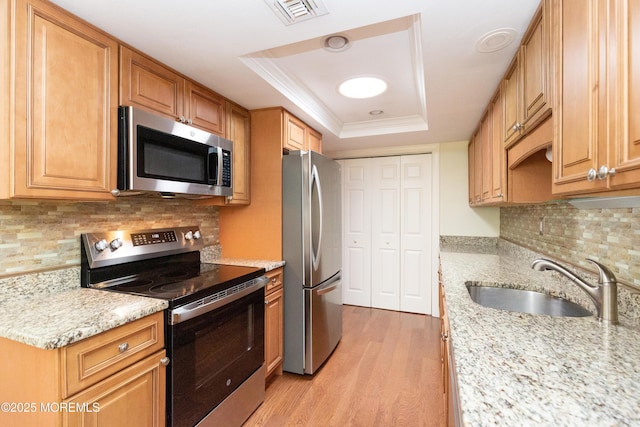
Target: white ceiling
{"x":439,"y":84}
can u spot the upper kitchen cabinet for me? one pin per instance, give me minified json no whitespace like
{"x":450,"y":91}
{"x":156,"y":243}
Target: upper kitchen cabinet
{"x":299,"y":136}
{"x":625,"y":99}
{"x":58,"y":104}
{"x":239,"y":131}
{"x":296,"y":136}
{"x":597,"y":133}
{"x":314,"y":140}
{"x":527,"y":83}
{"x":487,"y":166}
{"x":148,"y":84}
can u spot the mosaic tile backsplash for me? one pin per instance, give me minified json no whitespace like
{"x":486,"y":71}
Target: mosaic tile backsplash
{"x":40,"y":236}
{"x":561,"y":231}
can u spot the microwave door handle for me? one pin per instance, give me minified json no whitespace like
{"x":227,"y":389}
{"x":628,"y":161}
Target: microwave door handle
{"x":220,"y":166}
{"x":214,"y":172}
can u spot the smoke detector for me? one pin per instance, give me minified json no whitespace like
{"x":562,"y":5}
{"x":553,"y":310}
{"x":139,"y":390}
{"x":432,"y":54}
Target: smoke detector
{"x":294,"y":11}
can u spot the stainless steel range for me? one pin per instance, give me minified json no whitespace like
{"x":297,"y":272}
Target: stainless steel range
{"x":214,"y":325}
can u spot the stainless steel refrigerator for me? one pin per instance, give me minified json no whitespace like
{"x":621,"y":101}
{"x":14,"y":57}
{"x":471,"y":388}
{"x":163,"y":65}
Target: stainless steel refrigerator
{"x":311,"y":246}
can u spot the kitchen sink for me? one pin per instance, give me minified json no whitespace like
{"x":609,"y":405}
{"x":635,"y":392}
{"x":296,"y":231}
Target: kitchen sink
{"x":525,"y":301}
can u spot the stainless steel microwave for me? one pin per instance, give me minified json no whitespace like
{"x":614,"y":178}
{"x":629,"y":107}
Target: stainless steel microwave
{"x":159,"y":155}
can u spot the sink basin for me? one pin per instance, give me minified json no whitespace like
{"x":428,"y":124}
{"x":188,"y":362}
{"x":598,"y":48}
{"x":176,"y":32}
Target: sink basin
{"x":524,"y":301}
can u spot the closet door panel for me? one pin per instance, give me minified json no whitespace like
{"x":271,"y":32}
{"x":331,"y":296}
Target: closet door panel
{"x":415,"y":241}
{"x":356,"y":222}
{"x":385,"y":233}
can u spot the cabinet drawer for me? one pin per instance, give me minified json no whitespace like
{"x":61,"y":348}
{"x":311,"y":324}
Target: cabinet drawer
{"x":88,"y":361}
{"x":275,"y":280}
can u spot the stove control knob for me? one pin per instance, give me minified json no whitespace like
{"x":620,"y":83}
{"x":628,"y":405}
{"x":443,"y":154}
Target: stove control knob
{"x":188,"y":235}
{"x":196,"y":234}
{"x":101,"y":245}
{"x":116,"y":243}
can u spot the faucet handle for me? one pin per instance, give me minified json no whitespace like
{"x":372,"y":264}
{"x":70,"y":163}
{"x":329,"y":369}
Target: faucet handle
{"x":606,"y":275}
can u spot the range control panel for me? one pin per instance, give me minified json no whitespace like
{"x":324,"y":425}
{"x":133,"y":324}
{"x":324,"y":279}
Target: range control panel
{"x":152,"y":238}
{"x":117,"y":247}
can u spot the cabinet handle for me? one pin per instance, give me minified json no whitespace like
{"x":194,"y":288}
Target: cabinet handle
{"x":181,"y":119}
{"x":517,"y":127}
{"x":604,"y":171}
{"x":591,"y":175}
{"x":165,"y":361}
{"x":189,"y":121}
{"x":500,"y":195}
{"x":444,"y":336}
{"x":123,"y":347}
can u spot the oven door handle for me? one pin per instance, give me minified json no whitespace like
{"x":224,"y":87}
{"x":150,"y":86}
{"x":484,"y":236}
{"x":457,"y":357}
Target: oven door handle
{"x":198,"y":308}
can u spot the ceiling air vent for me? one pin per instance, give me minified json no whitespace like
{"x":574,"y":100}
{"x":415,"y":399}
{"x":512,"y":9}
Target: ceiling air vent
{"x":294,"y":11}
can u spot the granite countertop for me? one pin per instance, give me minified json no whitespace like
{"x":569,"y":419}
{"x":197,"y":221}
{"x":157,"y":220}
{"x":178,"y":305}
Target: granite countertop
{"x":50,"y":310}
{"x":62,"y":318}
{"x":520,"y":369}
{"x":266,"y":264}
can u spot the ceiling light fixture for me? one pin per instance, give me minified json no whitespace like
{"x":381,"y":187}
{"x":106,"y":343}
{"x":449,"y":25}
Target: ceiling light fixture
{"x":495,"y":40}
{"x":337,"y":43}
{"x":362,"y":87}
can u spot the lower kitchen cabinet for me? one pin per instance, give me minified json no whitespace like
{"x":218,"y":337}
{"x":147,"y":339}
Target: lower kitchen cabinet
{"x":113,"y":378}
{"x":444,"y":355}
{"x":274,"y":322}
{"x":134,"y":397}
{"x":449,"y":384}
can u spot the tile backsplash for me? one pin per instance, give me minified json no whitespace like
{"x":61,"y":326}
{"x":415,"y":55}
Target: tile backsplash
{"x":561,"y":231}
{"x":41,"y":235}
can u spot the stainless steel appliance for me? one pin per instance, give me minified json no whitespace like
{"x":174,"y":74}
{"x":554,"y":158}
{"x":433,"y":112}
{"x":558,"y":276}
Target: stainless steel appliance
{"x":214,"y":324}
{"x":159,"y":155}
{"x":311,"y":239}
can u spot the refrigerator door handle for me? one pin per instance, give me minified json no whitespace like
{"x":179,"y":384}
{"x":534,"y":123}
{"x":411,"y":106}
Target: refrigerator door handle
{"x":315,"y":252}
{"x":327,"y":290}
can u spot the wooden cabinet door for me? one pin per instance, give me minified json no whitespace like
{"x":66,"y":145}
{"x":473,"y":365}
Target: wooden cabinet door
{"x":580,"y":114}
{"x":498,"y":162}
{"x":535,"y":66}
{"x":65,"y":105}
{"x":135,"y":396}
{"x":314,"y":141}
{"x":296,"y":133}
{"x":147,"y":84}
{"x":487,"y":157}
{"x":274,"y":332}
{"x":511,"y":103}
{"x":478,"y":161}
{"x":625,"y":99}
{"x":471,"y":151}
{"x":239,"y":131}
{"x":204,"y":109}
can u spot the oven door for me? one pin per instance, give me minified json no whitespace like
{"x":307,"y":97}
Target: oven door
{"x":211,"y":355}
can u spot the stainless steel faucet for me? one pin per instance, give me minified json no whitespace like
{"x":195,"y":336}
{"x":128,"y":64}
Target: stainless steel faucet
{"x":604,"y":295}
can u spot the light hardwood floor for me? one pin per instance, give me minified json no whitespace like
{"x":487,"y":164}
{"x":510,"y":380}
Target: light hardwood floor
{"x":385,"y":371}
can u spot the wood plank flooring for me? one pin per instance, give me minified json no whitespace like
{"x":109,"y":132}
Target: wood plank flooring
{"x":385,"y":371}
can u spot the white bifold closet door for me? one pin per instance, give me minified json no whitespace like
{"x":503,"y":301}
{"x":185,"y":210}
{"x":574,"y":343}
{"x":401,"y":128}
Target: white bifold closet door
{"x":387,"y":221}
{"x":356,"y":228}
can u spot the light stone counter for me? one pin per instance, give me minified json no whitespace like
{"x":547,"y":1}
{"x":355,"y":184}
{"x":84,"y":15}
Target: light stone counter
{"x":50,"y":310}
{"x":517,"y":369}
{"x":266,"y":264}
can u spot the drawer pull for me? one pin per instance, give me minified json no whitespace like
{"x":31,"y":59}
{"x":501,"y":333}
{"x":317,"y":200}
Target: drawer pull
{"x":164,"y":361}
{"x":123,"y":347}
